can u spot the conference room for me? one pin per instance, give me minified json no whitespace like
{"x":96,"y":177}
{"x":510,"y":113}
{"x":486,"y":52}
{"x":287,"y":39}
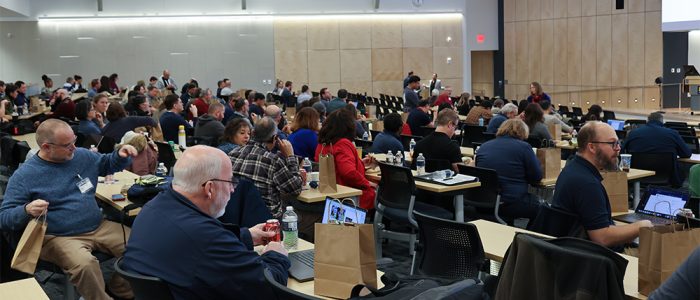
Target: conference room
{"x":271,"y":149}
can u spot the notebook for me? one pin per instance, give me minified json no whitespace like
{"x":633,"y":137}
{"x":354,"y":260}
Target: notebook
{"x":659,"y":205}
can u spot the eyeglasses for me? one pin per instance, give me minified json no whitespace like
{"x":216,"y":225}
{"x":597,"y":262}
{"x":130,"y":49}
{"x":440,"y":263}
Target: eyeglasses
{"x":66,"y":146}
{"x":615,"y":144}
{"x":233,"y":182}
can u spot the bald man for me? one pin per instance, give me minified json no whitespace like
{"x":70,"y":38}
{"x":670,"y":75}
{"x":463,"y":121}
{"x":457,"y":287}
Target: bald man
{"x":166,"y":82}
{"x":212,"y":260}
{"x":579,"y":189}
{"x":60,"y":181}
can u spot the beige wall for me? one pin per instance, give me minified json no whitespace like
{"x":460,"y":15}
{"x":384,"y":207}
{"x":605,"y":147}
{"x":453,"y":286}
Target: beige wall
{"x":584,"y":52}
{"x":369,"y":55}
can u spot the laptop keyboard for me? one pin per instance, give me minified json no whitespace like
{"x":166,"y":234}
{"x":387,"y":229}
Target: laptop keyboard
{"x":655,"y":220}
{"x":306,"y":257}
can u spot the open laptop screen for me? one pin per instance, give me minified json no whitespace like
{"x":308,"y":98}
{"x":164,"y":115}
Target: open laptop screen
{"x":663,"y":203}
{"x":617,"y":124}
{"x":334,"y":211}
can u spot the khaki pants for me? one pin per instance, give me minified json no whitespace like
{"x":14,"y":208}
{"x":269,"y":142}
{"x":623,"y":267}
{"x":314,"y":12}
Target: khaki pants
{"x":73,"y":254}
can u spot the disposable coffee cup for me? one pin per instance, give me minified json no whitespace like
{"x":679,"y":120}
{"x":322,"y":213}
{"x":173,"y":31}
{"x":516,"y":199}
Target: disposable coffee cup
{"x":625,"y":162}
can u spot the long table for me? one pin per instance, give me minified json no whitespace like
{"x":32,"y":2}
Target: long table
{"x":104,"y":192}
{"x":496,"y":238}
{"x":314,"y":195}
{"x":26,"y":289}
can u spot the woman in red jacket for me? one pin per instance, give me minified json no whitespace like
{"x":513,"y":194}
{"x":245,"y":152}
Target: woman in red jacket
{"x":336,"y":138}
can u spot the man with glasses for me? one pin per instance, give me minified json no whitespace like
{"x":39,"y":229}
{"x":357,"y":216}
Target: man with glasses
{"x":60,"y":182}
{"x":579,"y":189}
{"x":178,"y":239}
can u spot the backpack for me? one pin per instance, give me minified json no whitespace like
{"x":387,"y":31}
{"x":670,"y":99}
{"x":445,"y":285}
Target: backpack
{"x":419,"y":287}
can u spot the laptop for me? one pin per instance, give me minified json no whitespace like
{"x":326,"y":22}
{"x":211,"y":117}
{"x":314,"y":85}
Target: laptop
{"x":617,"y":124}
{"x":659,"y":205}
{"x":302,"y":268}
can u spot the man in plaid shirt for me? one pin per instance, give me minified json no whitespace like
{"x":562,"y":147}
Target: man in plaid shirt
{"x":274,"y":174}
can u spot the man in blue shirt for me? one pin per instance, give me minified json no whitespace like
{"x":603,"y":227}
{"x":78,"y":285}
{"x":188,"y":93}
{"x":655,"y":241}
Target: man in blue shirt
{"x":66,"y":195}
{"x":212,"y":260}
{"x":508,"y":111}
{"x":389,"y":139}
{"x":410,"y":97}
{"x":171,"y":119}
{"x":655,"y":138}
{"x":419,"y":117}
{"x":337,"y":103}
{"x":579,"y":189}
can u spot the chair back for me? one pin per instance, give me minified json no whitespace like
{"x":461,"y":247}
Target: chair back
{"x":577,"y":111}
{"x":676,"y":124}
{"x":621,"y":135}
{"x":663,"y":164}
{"x":282,"y":292}
{"x":166,"y":155}
{"x":206,"y":140}
{"x":692,"y":142}
{"x":20,"y":152}
{"x":563,"y":109}
{"x":449,"y":249}
{"x":471,"y":134}
{"x":432,"y":165}
{"x":246,"y":207}
{"x":406,"y":141}
{"x":534,"y":142}
{"x":396,"y":186}
{"x":687,"y":131}
{"x":144,"y":287}
{"x":608,"y":115}
{"x":556,"y":222}
{"x":106,"y":145}
{"x":485,"y":196}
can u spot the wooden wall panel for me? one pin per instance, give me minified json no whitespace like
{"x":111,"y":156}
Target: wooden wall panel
{"x":357,"y":86}
{"x":588,"y":98}
{"x":509,"y":10}
{"x":322,"y":34}
{"x":534,"y":47}
{"x":387,"y":64}
{"x":324,"y":66}
{"x":605,"y":7}
{"x":509,"y":52}
{"x":588,"y":8}
{"x":560,"y":52}
{"x":291,"y":65}
{"x":417,"y":33}
{"x":636,"y":98}
{"x":619,"y":50}
{"x":355,"y":65}
{"x":547,"y":53}
{"x":420,"y":61}
{"x":654,"y":5}
{"x":332,"y":87}
{"x":588,"y":56}
{"x":290,"y":35}
{"x":534,"y":10}
{"x":574,"y":8}
{"x":635,"y":50}
{"x":386,"y":34}
{"x":604,"y":98}
{"x":573,"y":52}
{"x":604,"y":50}
{"x":521,"y":53}
{"x":457,"y":87}
{"x":521,"y":10}
{"x":482,"y":67}
{"x":442,"y":28}
{"x":651,"y":97}
{"x":653,"y":47}
{"x":388,"y":87}
{"x":574,"y":97}
{"x":547,"y":7}
{"x":619,"y":98}
{"x":560,"y":9}
{"x":446,"y":69}
{"x":355,"y":34}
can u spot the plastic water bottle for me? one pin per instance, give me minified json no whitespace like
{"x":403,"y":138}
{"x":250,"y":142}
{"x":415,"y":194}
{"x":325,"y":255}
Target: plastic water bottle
{"x":181,"y":138}
{"x":412,"y":145}
{"x":398,"y":158}
{"x":481,"y":121}
{"x":389,"y":157}
{"x":306,"y":165}
{"x":420,"y":164}
{"x":290,"y":230}
{"x":25,"y":109}
{"x":161,"y":170}
{"x":365,"y":136}
{"x":93,"y":148}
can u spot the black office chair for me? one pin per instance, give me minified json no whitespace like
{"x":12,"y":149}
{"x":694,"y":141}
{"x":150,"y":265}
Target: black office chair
{"x":144,"y":287}
{"x":563,"y":109}
{"x":365,"y":145}
{"x":448,"y":248}
{"x":534,"y":142}
{"x":485,"y":199}
{"x":663,"y":164}
{"x":578,"y":112}
{"x":692,"y":142}
{"x":687,"y":131}
{"x":206,"y":140}
{"x":106,"y":145}
{"x":489,"y":136}
{"x":676,"y":124}
{"x":556,"y":222}
{"x":621,"y":135}
{"x":166,"y":155}
{"x":634,"y":122}
{"x":608,"y":115}
{"x":284,"y":293}
{"x":471,"y":134}
{"x":432,"y":165}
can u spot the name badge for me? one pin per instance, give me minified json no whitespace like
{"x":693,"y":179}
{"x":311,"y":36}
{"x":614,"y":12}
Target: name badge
{"x":85,"y":185}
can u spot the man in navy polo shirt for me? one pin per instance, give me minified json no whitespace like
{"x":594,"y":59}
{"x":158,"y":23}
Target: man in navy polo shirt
{"x":579,"y":189}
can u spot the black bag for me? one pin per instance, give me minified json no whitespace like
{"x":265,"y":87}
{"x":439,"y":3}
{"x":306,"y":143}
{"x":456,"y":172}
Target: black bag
{"x":139,"y":194}
{"x":417,"y":287}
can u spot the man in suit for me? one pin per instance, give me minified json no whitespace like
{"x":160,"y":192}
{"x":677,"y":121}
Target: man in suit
{"x":435,"y":84}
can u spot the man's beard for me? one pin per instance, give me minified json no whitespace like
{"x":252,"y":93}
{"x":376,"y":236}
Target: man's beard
{"x":607,"y":163}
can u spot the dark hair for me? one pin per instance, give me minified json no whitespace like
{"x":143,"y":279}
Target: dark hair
{"x":593,"y":113}
{"x":545,"y":105}
{"x":304,"y":88}
{"x":232,"y":127}
{"x":288,"y":84}
{"x":443,"y":106}
{"x":533,"y":114}
{"x":307,"y":118}
{"x":342,"y":93}
{"x":137,"y":100}
{"x":9,"y":89}
{"x":413,"y":78}
{"x":259,"y":96}
{"x":82,"y":109}
{"x":240,"y":103}
{"x":113,"y":76}
{"x":323,"y":90}
{"x":104,"y":80}
{"x":393,"y":123}
{"x":2,"y":83}
{"x":45,"y":79}
{"x":219,"y":83}
{"x":339,"y":124}
{"x":115,"y":111}
{"x":19,"y":83}
{"x":522,"y":105}
{"x":423,"y":103}
{"x":77,"y":77}
{"x":486,"y":104}
{"x":94,"y":82}
{"x":170,"y":101}
{"x":153,"y":78}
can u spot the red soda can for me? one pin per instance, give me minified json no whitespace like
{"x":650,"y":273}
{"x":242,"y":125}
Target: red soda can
{"x":274,"y":226}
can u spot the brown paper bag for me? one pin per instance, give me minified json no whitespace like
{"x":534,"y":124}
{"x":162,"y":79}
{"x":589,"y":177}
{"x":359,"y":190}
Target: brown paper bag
{"x":550,"y":161}
{"x":555,"y":131}
{"x":344,"y":256}
{"x":326,"y":171}
{"x":662,"y":249}
{"x":29,"y":247}
{"x":615,"y":184}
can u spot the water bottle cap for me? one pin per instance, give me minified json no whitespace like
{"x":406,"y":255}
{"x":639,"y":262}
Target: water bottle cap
{"x":290,"y":208}
{"x":162,"y":164}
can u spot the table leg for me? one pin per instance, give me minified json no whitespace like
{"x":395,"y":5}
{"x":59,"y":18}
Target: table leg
{"x":637,"y":187}
{"x":459,"y":208}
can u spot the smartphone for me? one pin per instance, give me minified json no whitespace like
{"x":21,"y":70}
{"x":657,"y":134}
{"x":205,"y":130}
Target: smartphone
{"x":118,"y":197}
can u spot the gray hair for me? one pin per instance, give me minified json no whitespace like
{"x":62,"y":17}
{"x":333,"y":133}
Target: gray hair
{"x":656,"y":116}
{"x":47,"y":130}
{"x":190,"y":173}
{"x":265,"y":129}
{"x":509,"y":108}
